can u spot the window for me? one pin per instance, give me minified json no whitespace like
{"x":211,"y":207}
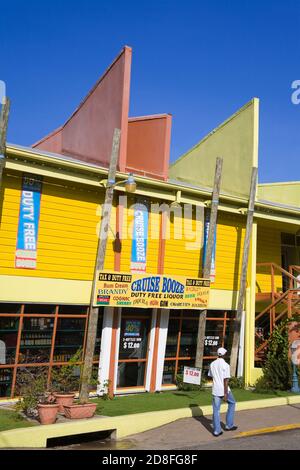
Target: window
{"x":182,"y":340}
{"x":36,"y":340}
{"x":288,"y":239}
{"x":40,"y":335}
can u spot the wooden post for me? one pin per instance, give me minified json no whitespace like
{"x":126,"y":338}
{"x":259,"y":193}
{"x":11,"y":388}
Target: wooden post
{"x":243,"y":279}
{"x":99,"y":265}
{"x":208,"y":258}
{"x":3,"y":129}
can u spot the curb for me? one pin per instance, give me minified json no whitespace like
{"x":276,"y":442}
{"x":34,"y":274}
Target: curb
{"x":124,"y":426}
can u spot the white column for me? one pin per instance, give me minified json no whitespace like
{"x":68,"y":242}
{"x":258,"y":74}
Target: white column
{"x":117,"y":349}
{"x":240,"y":367}
{"x":104,"y":358}
{"x":151,"y":350}
{"x":163,"y":333}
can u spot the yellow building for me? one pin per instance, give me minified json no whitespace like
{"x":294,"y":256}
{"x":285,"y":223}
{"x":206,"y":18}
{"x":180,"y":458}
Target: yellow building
{"x":50,"y":209}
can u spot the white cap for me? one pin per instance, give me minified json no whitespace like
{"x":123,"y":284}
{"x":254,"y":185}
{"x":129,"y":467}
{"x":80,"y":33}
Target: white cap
{"x":221,"y":351}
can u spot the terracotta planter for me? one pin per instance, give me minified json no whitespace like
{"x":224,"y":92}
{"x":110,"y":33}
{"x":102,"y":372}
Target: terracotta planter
{"x":48,"y":413}
{"x":86,"y":410}
{"x":64,"y":399}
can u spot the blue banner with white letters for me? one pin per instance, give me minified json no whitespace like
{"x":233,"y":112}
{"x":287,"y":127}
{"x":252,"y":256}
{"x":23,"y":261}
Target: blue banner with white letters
{"x":26,"y":251}
{"x":139,"y":238}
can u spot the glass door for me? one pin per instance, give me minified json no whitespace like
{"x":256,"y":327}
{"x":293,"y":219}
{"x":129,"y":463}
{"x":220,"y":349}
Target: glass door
{"x":133,"y":347}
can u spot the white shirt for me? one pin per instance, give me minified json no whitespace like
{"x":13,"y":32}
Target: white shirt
{"x":219,"y":370}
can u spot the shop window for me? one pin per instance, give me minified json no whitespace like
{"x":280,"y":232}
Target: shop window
{"x":98,"y":338}
{"x":182,"y":340}
{"x":26,"y":375}
{"x":215,"y":314}
{"x":10,"y":308}
{"x":69,"y":338}
{"x":73,"y":310}
{"x":8,"y":339}
{"x":172,"y":338}
{"x":228,"y":337}
{"x":188,"y":338}
{"x":39,"y":309}
{"x":36,"y":340}
{"x":184,"y":363}
{"x":169,"y":372}
{"x":205,"y":368}
{"x":5,"y":381}
{"x":214,"y":335}
{"x":74,"y":378}
{"x":191,"y":313}
{"x":288,"y":239}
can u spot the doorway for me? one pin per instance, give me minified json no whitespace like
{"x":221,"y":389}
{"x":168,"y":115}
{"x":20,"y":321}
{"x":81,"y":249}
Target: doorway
{"x":133,"y":347}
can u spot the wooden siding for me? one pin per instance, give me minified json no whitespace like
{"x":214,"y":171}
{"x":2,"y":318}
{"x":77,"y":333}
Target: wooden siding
{"x":229,"y":251}
{"x":183,"y":253}
{"x":268,"y":251}
{"x":67,"y":237}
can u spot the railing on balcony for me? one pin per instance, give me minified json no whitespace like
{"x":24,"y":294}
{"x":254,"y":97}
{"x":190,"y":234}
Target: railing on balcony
{"x":283,"y":305}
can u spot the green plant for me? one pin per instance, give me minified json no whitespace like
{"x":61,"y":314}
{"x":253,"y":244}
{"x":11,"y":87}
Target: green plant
{"x":236,"y":382}
{"x":31,"y":385}
{"x":277,"y":370}
{"x":66,"y":378}
{"x":105,"y":390}
{"x":189,"y":387}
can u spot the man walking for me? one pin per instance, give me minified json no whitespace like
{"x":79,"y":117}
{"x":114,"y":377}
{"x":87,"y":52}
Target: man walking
{"x":219,"y":370}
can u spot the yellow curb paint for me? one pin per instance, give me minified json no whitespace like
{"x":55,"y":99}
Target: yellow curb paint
{"x":255,"y":432}
{"x":124,"y":426}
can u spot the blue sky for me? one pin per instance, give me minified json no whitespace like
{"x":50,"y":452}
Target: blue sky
{"x":198,"y":60}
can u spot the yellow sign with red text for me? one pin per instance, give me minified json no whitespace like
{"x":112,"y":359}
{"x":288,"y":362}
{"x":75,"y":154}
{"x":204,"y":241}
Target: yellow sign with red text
{"x":115,"y":289}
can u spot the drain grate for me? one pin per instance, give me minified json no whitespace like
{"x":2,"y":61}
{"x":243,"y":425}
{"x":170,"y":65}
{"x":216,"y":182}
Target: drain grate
{"x":80,"y":438}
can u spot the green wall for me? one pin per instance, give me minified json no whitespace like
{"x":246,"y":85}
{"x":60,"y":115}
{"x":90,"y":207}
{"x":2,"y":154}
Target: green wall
{"x":283,"y":193}
{"x":236,"y":140}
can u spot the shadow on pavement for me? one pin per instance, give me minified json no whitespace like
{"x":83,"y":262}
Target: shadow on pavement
{"x":206,"y":422}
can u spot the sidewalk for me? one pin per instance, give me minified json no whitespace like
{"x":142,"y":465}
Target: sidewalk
{"x":189,"y":432}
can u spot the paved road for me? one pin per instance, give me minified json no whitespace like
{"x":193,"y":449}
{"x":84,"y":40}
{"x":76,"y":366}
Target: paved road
{"x":283,"y":440}
{"x":196,"y":433}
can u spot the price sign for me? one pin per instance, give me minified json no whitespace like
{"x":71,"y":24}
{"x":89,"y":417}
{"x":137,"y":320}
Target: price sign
{"x":192,"y":375}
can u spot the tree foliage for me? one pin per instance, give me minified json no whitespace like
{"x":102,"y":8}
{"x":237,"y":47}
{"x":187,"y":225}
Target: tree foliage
{"x":277,"y":370}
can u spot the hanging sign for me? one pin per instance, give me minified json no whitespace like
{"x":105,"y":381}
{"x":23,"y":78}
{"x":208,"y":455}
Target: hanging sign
{"x":151,"y":291}
{"x":213,"y":258}
{"x":139,"y":238}
{"x":26,"y":250}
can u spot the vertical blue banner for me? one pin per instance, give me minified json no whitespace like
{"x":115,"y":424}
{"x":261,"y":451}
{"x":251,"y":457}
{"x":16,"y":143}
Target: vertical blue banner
{"x":213,"y":261}
{"x":139,"y":238}
{"x":26,"y":250}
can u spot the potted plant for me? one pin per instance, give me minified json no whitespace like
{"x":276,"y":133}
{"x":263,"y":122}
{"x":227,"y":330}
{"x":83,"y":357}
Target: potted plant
{"x":65,"y":380}
{"x":81,"y":409}
{"x":36,"y":400}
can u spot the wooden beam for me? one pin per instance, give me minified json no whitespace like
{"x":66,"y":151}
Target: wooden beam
{"x":208,"y":258}
{"x":3,"y":130}
{"x":99,"y":265}
{"x":243,"y":278}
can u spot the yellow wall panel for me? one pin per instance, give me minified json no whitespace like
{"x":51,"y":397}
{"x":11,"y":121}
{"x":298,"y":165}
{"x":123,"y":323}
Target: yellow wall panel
{"x":268,"y":251}
{"x":67,"y":236}
{"x":229,"y":251}
{"x":183,"y":253}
